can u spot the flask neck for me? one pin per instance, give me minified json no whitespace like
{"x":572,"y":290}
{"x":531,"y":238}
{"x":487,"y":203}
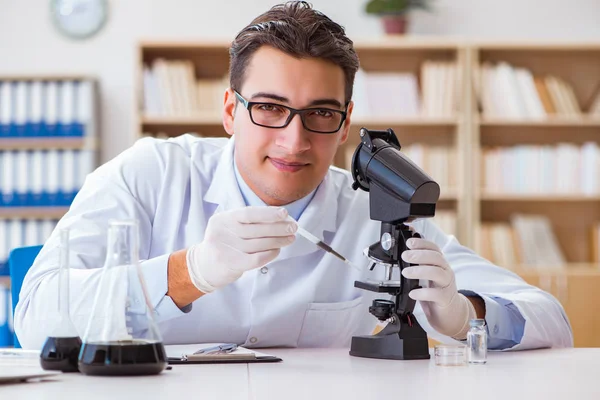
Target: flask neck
{"x":64,"y":326}
{"x":122,"y":245}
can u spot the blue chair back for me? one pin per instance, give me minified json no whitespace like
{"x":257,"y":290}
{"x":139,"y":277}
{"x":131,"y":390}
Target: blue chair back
{"x":19,"y":262}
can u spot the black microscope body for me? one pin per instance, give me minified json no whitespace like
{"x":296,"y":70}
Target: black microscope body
{"x":399,"y":192}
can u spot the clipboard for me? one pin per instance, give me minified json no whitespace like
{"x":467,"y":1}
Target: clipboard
{"x":183,"y":354}
{"x":260,"y":359}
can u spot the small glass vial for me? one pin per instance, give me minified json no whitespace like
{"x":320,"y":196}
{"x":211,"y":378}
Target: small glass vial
{"x":477,"y":342}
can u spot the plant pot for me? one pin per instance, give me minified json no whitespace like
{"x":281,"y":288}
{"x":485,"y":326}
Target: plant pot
{"x":395,"y":24}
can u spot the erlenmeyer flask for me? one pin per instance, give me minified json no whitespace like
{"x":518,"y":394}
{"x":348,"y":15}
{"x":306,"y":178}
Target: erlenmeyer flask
{"x":121,"y":337}
{"x":61,"y":348}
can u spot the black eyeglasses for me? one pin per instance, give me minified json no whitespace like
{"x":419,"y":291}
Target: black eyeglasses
{"x":271,"y":115}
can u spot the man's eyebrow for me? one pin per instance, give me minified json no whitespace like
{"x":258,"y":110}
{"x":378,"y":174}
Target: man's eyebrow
{"x":318,"y":102}
{"x":271,"y":96}
{"x":325,"y":102}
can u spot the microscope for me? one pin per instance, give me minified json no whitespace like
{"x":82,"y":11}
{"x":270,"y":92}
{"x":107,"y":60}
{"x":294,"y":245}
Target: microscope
{"x":399,"y":192}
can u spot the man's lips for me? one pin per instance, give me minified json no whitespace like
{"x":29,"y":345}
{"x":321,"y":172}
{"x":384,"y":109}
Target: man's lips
{"x":287,"y":165}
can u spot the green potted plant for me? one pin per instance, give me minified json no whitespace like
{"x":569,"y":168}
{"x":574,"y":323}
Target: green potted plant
{"x":394,"y":13}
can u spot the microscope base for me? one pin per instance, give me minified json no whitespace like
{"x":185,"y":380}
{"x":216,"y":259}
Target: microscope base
{"x":390,"y":347}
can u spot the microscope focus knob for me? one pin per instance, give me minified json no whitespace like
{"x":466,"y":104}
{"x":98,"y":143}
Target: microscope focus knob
{"x":387,"y":241}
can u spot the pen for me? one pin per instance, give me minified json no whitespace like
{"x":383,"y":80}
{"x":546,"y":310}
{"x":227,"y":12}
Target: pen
{"x":18,"y":353}
{"x":221,"y":348}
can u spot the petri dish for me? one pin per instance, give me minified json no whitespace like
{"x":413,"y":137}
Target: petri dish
{"x":450,"y":355}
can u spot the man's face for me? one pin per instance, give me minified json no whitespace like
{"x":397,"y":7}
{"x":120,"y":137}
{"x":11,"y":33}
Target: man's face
{"x":283,"y":165}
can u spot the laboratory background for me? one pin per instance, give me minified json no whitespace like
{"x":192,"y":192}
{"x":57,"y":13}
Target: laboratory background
{"x":499,"y":101}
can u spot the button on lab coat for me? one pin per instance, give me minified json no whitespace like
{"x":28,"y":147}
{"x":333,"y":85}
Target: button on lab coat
{"x":303,"y":298}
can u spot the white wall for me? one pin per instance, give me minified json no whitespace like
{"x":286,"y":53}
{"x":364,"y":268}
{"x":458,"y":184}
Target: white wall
{"x":29,"y":43}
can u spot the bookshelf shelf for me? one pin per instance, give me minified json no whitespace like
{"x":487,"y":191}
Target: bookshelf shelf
{"x":382,"y":44}
{"x":41,"y":143}
{"x":573,"y":269}
{"x":33,"y":212}
{"x":553,"y":46}
{"x":547,"y":198}
{"x":56,"y":77}
{"x":511,"y":135}
{"x":407,"y":43}
{"x":584,"y":121}
{"x":407,"y":122}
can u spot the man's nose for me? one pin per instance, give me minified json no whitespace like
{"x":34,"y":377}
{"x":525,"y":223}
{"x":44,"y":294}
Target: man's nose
{"x":294,"y":138}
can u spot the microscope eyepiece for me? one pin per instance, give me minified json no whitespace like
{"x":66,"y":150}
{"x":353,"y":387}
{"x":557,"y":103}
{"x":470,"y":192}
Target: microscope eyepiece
{"x":399,"y":189}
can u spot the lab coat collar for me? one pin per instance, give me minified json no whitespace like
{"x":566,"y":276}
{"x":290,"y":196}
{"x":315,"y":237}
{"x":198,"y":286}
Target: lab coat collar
{"x":320,"y":215}
{"x":224,"y":190}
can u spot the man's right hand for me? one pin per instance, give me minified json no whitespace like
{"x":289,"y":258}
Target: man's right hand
{"x":237,"y":241}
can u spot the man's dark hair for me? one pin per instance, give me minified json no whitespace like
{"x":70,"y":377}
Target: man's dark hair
{"x":298,"y":30}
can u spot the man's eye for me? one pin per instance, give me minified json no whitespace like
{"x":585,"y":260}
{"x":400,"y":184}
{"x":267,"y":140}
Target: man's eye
{"x":269,"y":108}
{"x":322,"y":113}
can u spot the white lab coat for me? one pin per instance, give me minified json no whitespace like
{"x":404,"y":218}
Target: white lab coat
{"x":304,"y":298}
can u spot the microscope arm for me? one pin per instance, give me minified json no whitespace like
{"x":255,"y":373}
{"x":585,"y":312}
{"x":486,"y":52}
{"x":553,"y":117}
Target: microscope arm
{"x":404,"y":304}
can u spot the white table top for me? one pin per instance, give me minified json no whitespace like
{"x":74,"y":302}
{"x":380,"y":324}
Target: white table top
{"x":333,"y":374}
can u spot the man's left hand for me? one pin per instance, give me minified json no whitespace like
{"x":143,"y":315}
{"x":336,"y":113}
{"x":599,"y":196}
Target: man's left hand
{"x":447,"y":311}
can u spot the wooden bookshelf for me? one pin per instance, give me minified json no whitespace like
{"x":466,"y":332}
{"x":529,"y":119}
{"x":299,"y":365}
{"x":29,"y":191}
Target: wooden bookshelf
{"x":579,"y":65}
{"x":572,"y":215}
{"x":467,"y":132}
{"x":211,"y":60}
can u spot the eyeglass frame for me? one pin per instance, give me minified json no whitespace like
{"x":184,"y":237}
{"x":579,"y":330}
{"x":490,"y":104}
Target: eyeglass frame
{"x":293,"y":111}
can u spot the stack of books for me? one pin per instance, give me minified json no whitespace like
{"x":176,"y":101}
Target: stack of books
{"x":171,"y":89}
{"x":506,"y":91}
{"x":526,"y":241}
{"x":399,"y":95}
{"x":562,"y":169}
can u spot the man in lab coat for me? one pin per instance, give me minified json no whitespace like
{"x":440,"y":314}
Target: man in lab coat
{"x":219,"y":254}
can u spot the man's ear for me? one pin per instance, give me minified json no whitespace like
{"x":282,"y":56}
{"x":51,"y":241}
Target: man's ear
{"x":346,"y":126}
{"x":229,"y":103}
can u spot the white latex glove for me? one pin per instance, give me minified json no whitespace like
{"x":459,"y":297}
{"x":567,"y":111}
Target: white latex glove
{"x":448,"y":311}
{"x":237,"y":241}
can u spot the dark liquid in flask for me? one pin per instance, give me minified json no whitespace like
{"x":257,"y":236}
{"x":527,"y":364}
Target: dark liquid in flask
{"x":60,"y":354}
{"x":122,"y":358}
